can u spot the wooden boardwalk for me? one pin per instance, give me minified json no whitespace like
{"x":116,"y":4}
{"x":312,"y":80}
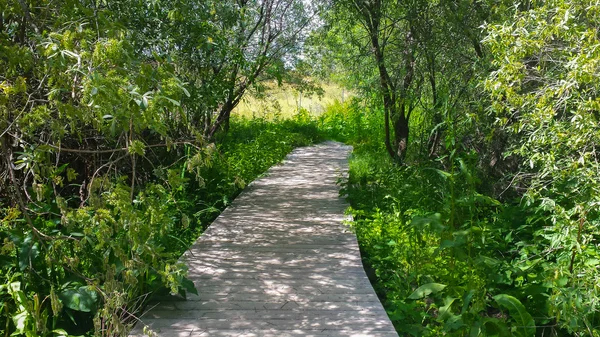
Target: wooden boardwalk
{"x":279,"y":262}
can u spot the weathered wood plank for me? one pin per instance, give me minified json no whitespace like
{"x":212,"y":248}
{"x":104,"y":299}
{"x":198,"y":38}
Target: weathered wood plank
{"x":272,"y":333}
{"x":206,"y":296}
{"x":272,"y":304}
{"x":217,"y":270}
{"x":274,"y":314}
{"x":320,"y":323}
{"x":247,"y":273}
{"x":272,"y":282}
{"x":285,"y":289}
{"x":279,"y":262}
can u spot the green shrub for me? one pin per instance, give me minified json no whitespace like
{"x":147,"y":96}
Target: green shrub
{"x":446,"y":258}
{"x":86,"y":267}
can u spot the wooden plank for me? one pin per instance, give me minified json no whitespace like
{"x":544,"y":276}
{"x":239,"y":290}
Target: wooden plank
{"x":217,"y":269}
{"x":283,"y":289}
{"x":273,"y":282}
{"x":241,"y":254}
{"x":251,"y":273}
{"x":271,"y":333}
{"x":275,"y":314}
{"x":271,"y":304}
{"x":365,"y":324}
{"x":286,"y":297}
{"x":279,"y":262}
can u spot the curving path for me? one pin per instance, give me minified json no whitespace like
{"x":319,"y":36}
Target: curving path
{"x":279,"y":262}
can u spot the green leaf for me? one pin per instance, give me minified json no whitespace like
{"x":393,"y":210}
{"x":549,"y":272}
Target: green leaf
{"x":445,"y":312}
{"x":187,"y":93}
{"x":113,"y":127}
{"x":28,"y":251}
{"x":489,"y":327}
{"x":467,"y":300}
{"x":60,"y":333}
{"x":443,"y":174}
{"x":433,"y":220}
{"x":189,"y":286}
{"x":426,"y":289}
{"x":144,"y":103}
{"x":525,"y":323}
{"x":14,"y":289}
{"x":19,"y":321}
{"x":60,"y":169}
{"x":176,"y":103}
{"x":79,"y":299}
{"x":453,"y":322}
{"x":137,"y":147}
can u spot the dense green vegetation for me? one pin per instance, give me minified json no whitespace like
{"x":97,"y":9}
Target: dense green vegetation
{"x":474,"y":183}
{"x":484,"y":221}
{"x":113,"y":159}
{"x":95,"y":265}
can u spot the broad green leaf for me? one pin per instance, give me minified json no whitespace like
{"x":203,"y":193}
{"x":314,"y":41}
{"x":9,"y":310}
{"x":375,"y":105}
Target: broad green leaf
{"x":189,"y":286}
{"x":445,"y":312}
{"x":489,"y":327}
{"x":79,"y":299}
{"x":433,"y":220}
{"x":467,"y":300}
{"x":28,"y":251}
{"x":60,"y":169}
{"x":453,"y":322}
{"x":176,"y":103}
{"x":426,"y":289}
{"x":144,"y":103}
{"x":185,"y":91}
{"x":60,"y":333}
{"x":525,"y":323}
{"x":19,"y":321}
{"x":14,"y":289}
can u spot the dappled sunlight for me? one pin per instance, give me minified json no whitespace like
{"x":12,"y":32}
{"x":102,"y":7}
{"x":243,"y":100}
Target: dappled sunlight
{"x":284,"y":101}
{"x":279,"y":261}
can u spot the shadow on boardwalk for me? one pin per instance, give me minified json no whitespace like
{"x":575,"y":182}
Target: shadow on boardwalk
{"x":279,"y":262}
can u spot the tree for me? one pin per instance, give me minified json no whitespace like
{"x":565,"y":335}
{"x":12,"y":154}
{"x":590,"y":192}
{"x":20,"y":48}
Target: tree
{"x":99,"y":101}
{"x":412,"y":44}
{"x":545,"y":96}
{"x":226,"y":47}
{"x":382,"y":22}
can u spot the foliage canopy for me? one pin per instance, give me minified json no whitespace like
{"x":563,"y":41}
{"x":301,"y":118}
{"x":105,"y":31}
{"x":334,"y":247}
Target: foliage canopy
{"x":474,"y":182}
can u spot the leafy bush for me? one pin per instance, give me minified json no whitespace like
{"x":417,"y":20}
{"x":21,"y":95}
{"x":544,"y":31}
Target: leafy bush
{"x":446,"y":258}
{"x":95,"y":264}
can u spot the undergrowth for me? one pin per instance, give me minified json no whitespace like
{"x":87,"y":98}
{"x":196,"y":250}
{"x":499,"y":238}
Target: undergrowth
{"x":447,"y":257}
{"x":89,"y":265}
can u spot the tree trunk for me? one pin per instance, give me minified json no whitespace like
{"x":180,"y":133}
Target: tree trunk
{"x":434,"y":139}
{"x":401,"y":133}
{"x":222,"y":120}
{"x":393,"y":102}
{"x":388,"y":142}
{"x":387,"y":89}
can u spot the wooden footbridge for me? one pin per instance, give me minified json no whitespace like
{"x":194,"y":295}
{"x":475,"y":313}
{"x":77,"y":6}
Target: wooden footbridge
{"x":279,"y":262}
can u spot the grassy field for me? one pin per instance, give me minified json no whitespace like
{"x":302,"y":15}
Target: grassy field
{"x":284,"y":101}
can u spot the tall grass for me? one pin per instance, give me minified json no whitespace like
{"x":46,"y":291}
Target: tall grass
{"x":285,"y":101}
